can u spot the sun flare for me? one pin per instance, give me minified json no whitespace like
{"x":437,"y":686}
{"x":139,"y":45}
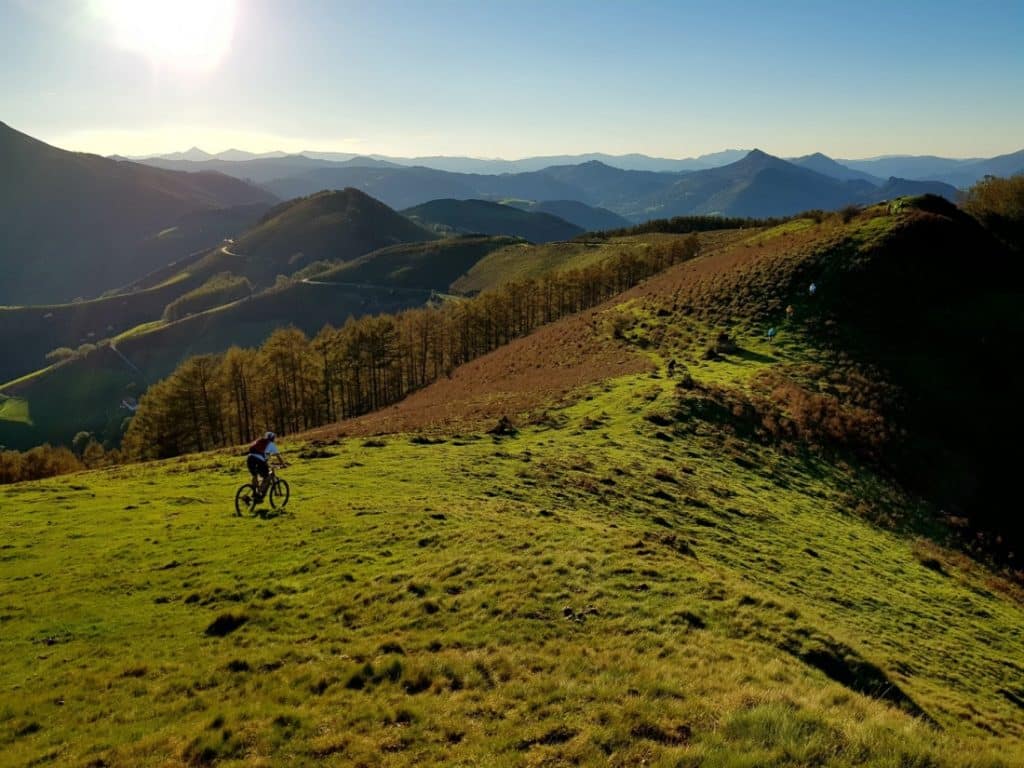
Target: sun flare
{"x":185,"y":35}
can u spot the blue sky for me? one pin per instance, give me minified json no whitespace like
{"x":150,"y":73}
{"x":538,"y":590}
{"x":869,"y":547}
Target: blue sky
{"x":511,"y":79}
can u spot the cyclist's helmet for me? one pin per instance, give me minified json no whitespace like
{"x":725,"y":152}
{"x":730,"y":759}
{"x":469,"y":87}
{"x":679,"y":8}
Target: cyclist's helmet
{"x":270,"y":436}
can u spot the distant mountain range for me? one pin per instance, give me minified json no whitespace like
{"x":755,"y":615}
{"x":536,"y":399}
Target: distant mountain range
{"x":74,"y":224}
{"x":756,"y":185}
{"x":761,"y":185}
{"x":630,"y":162}
{"x":957,"y":172}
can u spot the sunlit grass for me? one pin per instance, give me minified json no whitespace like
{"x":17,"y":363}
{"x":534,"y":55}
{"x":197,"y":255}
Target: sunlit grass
{"x":603,"y":590}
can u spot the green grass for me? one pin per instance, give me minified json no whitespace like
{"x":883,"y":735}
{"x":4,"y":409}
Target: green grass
{"x":628,"y":580}
{"x":789,"y":228}
{"x":597,"y":589}
{"x":433,"y":265}
{"x":14,"y":409}
{"x":140,"y":330}
{"x":28,"y":377}
{"x":521,"y":262}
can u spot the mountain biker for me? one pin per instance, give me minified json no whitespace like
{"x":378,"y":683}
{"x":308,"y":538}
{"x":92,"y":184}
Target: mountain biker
{"x":260,"y":451}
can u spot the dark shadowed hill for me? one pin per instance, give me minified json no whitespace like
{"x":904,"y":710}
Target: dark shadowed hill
{"x":71,"y":223}
{"x":589,"y":217}
{"x":433,"y":265}
{"x":483,"y":217}
{"x":894,"y":187}
{"x":332,"y":226}
{"x":197,"y":232}
{"x":328,"y":226}
{"x":829,"y":167}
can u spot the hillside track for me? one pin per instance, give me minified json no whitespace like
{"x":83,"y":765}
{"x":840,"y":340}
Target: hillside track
{"x":554,"y":363}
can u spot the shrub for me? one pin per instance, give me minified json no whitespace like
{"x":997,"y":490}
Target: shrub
{"x":849,"y":213}
{"x":59,"y":354}
{"x":999,"y":205}
{"x":37,"y":463}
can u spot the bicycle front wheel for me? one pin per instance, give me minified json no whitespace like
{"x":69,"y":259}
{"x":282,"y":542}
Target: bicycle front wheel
{"x":279,"y":494}
{"x":245,"y":499}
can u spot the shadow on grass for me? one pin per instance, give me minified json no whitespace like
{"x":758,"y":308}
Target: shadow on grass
{"x":754,"y":357}
{"x":269,"y":514}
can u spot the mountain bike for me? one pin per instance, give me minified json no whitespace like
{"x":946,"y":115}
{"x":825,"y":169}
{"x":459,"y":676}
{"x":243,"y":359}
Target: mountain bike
{"x":278,"y":493}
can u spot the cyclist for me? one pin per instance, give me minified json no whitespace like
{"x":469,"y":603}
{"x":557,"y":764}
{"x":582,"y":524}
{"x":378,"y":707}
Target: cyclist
{"x":260,"y":451}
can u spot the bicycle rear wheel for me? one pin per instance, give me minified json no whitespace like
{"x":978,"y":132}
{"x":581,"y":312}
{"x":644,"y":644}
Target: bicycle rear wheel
{"x":279,"y":494}
{"x":245,"y":499}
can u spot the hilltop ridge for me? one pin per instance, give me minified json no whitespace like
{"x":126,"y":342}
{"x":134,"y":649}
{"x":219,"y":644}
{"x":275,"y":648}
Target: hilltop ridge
{"x":71,"y":224}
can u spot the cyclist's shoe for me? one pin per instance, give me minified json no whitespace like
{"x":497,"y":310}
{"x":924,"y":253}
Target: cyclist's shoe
{"x":246,"y":498}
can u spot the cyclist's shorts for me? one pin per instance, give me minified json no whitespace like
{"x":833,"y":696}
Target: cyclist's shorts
{"x":257,"y":466}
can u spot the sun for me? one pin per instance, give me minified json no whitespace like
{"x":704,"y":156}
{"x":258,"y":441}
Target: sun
{"x":185,"y":35}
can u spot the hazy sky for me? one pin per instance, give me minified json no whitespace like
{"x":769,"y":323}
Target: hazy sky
{"x":511,"y":79}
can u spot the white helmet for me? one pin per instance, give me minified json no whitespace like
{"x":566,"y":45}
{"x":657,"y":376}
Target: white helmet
{"x":270,"y":436}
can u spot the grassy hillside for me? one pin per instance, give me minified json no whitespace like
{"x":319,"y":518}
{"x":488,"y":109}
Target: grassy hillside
{"x":433,"y":265}
{"x":87,"y":392}
{"x":483,"y":217}
{"x":197,"y":232}
{"x":27,"y":334}
{"x":71,"y":223}
{"x":521,"y":261}
{"x":336,"y":226}
{"x":220,"y":289}
{"x":328,"y":226}
{"x":666,"y":557}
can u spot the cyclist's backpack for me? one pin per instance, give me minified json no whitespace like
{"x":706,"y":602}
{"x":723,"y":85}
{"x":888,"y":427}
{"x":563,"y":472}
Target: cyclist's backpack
{"x":259,"y":446}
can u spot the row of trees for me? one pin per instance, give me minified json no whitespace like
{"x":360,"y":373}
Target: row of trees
{"x":293,"y":383}
{"x":998,"y":203}
{"x":48,"y":460}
